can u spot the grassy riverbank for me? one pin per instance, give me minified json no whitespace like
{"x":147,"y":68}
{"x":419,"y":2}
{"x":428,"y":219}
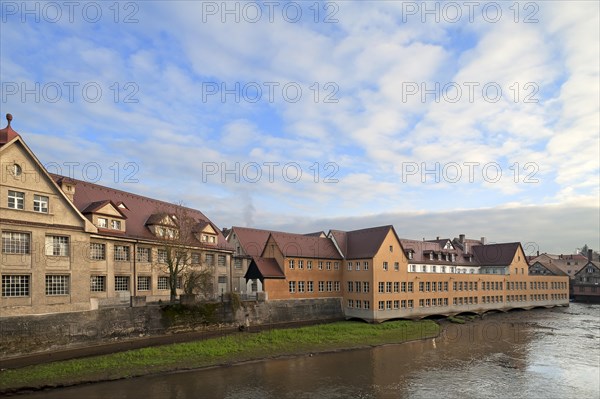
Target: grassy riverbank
{"x":217,"y":351}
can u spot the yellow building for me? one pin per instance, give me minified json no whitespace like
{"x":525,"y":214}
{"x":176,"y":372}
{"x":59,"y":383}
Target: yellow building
{"x":70,"y":245}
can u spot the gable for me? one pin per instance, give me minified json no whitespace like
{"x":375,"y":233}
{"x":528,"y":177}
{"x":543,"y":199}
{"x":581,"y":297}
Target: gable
{"x":208,"y":229}
{"x":109,"y":210}
{"x":34,"y":181}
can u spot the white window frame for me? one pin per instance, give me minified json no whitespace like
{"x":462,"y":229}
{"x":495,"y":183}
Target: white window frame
{"x":122,"y":283}
{"x":16,"y":285}
{"x":16,"y":200}
{"x":57,"y":284}
{"x":40,"y":203}
{"x":57,"y":245}
{"x":16,"y":242}
{"x":98,"y":283}
{"x":97,"y":251}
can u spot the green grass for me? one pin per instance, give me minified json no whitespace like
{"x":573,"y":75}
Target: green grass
{"x":217,"y":351}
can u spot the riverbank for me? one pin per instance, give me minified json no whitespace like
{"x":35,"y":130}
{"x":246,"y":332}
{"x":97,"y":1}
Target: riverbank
{"x":227,"y":350}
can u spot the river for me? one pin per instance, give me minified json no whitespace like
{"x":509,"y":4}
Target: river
{"x":542,"y":353}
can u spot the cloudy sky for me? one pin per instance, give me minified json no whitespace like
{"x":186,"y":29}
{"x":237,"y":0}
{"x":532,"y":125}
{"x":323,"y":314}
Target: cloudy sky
{"x":440,"y":118}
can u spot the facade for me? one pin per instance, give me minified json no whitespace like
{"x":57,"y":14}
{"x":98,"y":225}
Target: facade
{"x":384,"y":277}
{"x":70,"y":245}
{"x":586,"y":284}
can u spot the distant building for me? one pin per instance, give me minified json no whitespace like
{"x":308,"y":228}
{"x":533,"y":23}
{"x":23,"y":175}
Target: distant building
{"x":586,"y":282}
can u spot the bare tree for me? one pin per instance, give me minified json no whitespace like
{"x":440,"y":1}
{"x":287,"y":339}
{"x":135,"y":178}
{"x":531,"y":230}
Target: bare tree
{"x":175,"y":233}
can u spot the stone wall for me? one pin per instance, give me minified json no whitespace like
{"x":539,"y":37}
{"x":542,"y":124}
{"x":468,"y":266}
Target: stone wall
{"x":21,"y":335}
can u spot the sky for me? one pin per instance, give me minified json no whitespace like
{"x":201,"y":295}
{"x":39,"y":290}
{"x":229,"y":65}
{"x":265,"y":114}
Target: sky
{"x":441,"y":118}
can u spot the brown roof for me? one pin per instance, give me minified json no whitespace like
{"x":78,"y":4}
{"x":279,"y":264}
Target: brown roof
{"x":139,"y":210}
{"x":365,"y":243}
{"x":496,"y":254}
{"x":566,"y":263}
{"x":552,"y":268}
{"x":340,"y":239}
{"x":251,"y":240}
{"x":262,"y":268}
{"x":7,"y":134}
{"x":303,"y":246}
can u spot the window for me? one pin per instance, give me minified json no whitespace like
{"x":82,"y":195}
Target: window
{"x":309,"y":265}
{"x":388,"y":286}
{"x":396,"y":304}
{"x":163,"y":283}
{"x":396,"y":266}
{"x":121,"y":283}
{"x":388,"y":305}
{"x":336,"y":286}
{"x":15,"y":285}
{"x":292,"y":287}
{"x":195,"y":258}
{"x":421,"y":303}
{"x":300,"y":286}
{"x":122,"y":253}
{"x":381,"y":305}
{"x":329,"y":286}
{"x":358,"y":304}
{"x":403,"y":286}
{"x":57,"y":285}
{"x":424,"y":268}
{"x":328,"y":264}
{"x":410,"y":256}
{"x":421,"y":286}
{"x":221,"y":260}
{"x":385,"y":266}
{"x":143,"y":283}
{"x":367,"y":304}
{"x":291,"y":263}
{"x":40,"y":203}
{"x":210,"y":259}
{"x":427,"y":286}
{"x":143,"y":254}
{"x":237,"y":262}
{"x":161,"y":256}
{"x":116,"y":225}
{"x":350,"y":303}
{"x":358,"y":286}
{"x":16,"y":170}
{"x":57,"y":246}
{"x":16,"y":199}
{"x":320,"y":265}
{"x":381,"y":287}
{"x":365,"y":286}
{"x":365,"y":267}
{"x":433,"y":268}
{"x":336,"y":265}
{"x":410,"y":287}
{"x":300,"y":264}
{"x":410,"y":303}
{"x":391,"y":248}
{"x":349,"y":266}
{"x":102,"y":222}
{"x":15,"y":243}
{"x":309,"y":286}
{"x":98,"y":283}
{"x":321,"y":286}
{"x":358,"y":266}
{"x":350,"y":286}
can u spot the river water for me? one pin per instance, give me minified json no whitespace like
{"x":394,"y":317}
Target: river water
{"x":542,"y":353}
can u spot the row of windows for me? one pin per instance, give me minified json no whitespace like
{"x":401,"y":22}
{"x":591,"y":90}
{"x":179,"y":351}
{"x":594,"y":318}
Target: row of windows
{"x":357,"y":266}
{"x":122,"y":283}
{"x":20,"y":285}
{"x":16,"y":200}
{"x":114,"y":224}
{"x":397,"y":304}
{"x":358,"y":304}
{"x":20,"y":243}
{"x":308,"y":286}
{"x":397,"y":286}
{"x":441,"y":269}
{"x":359,"y":286}
{"x":293,"y":263}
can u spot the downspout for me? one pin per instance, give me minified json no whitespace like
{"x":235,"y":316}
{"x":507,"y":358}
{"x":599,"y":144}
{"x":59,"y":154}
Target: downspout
{"x":134,"y":282}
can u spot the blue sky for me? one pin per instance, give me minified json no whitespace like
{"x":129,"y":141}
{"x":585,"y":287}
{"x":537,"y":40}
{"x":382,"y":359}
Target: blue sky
{"x":439,"y":118}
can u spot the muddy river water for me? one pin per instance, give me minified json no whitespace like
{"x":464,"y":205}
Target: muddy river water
{"x":542,"y":353}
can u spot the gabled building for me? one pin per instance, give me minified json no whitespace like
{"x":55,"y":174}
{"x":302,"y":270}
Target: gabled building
{"x":70,"y":245}
{"x":296,"y":266}
{"x":586,"y":282}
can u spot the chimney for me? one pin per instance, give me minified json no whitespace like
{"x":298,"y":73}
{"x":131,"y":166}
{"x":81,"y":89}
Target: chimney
{"x":538,"y":253}
{"x":67,"y":185}
{"x":437,"y":238}
{"x":482,"y":240}
{"x":461,"y":238}
{"x":590,"y":254}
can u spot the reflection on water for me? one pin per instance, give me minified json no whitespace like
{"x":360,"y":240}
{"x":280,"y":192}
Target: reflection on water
{"x":549,"y":353}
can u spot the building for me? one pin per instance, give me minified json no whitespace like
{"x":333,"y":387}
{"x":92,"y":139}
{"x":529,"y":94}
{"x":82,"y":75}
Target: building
{"x":384,"y":277}
{"x":70,"y":245}
{"x":586,"y":282}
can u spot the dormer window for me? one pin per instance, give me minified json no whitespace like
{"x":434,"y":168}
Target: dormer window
{"x":410,"y":255}
{"x":431,"y":256}
{"x":116,"y":225}
{"x":102,"y":222}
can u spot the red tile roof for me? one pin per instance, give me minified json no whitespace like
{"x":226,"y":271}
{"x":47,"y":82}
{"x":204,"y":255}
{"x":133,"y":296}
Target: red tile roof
{"x":496,"y":254}
{"x":361,"y":244}
{"x":267,"y":267}
{"x":299,"y":245}
{"x":251,"y":240}
{"x":552,"y":268}
{"x":139,"y":210}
